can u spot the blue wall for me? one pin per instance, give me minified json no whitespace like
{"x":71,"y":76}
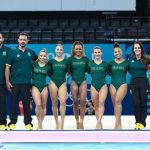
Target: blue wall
{"x":107,"y":50}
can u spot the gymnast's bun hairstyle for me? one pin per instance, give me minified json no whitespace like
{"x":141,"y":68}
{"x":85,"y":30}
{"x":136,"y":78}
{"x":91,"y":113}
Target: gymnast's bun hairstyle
{"x":116,"y":44}
{"x":60,"y":43}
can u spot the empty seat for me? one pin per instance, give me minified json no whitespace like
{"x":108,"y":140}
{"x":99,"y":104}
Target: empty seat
{"x":13,"y":36}
{"x":46,"y":36}
{"x":68,"y":35}
{"x":136,"y":23}
{"x":6,"y":35}
{"x":89,"y":35}
{"x":53,"y":24}
{"x":121,"y":33}
{"x":125,"y":23}
{"x":33,"y":22}
{"x":63,"y":23}
{"x":3,"y":23}
{"x":142,"y":33}
{"x":99,"y":34}
{"x":74,"y":23}
{"x":43,"y":24}
{"x":57,"y":35}
{"x":115,"y":23}
{"x":78,"y":34}
{"x":35,"y":36}
{"x":84,"y":23}
{"x":12,"y":24}
{"x":103,"y":23}
{"x":94,"y":23}
{"x":148,"y":30}
{"x":23,"y":23}
{"x":27,"y":28}
{"x":132,"y":32}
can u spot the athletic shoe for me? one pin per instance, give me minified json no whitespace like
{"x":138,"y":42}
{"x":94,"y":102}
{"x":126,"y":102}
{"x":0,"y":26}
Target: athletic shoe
{"x":3,"y":127}
{"x":136,"y":127}
{"x":11,"y":126}
{"x":141,"y":126}
{"x":29,"y":126}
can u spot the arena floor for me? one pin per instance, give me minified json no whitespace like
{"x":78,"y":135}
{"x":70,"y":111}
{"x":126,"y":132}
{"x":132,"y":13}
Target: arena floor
{"x":89,"y":123}
{"x":72,"y":139}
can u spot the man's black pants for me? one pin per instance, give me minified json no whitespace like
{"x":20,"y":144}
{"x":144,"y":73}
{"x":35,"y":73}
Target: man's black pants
{"x":23,"y":90}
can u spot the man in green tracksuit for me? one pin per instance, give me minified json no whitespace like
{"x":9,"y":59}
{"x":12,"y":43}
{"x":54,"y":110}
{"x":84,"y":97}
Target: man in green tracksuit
{"x":18,"y":80}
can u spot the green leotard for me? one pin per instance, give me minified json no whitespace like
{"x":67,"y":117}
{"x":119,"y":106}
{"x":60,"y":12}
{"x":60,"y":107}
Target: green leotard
{"x":39,"y":75}
{"x":58,"y":71}
{"x":98,"y":73}
{"x":78,"y":68}
{"x":118,"y":73}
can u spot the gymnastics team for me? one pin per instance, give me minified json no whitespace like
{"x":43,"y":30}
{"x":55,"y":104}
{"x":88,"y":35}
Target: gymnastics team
{"x":23,"y":73}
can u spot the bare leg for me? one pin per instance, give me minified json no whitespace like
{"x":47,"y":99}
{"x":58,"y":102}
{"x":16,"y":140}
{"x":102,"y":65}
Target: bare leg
{"x":44,"y":95}
{"x":62,"y":92}
{"x":82,"y":95}
{"x":38,"y":109}
{"x":118,"y":97}
{"x":102,"y":97}
{"x":112,"y":93}
{"x":74,"y":92}
{"x":121,"y":92}
{"x":54,"y":97}
{"x":95,"y":97}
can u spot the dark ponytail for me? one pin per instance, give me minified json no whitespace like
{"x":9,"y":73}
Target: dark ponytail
{"x":116,"y":44}
{"x":60,"y":43}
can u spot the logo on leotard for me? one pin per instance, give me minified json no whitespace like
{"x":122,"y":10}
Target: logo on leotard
{"x":18,"y":55}
{"x":4,"y":53}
